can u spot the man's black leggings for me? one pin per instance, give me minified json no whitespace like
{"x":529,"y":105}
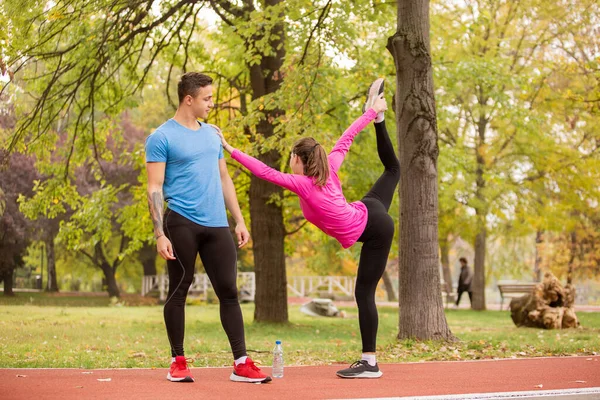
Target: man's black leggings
{"x":377,"y":239}
{"x":218,"y":254}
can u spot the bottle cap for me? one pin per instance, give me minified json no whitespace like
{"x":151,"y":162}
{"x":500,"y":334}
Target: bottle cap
{"x":278,"y":342}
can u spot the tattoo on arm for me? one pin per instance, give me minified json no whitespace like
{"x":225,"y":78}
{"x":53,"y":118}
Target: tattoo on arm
{"x":155,"y":203}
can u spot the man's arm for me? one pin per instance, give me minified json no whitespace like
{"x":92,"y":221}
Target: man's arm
{"x":231,"y":202}
{"x":156,"y":200}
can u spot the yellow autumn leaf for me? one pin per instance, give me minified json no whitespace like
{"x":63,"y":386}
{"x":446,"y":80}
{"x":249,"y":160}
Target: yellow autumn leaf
{"x":55,"y":15}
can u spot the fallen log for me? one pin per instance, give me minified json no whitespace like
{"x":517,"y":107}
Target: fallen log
{"x":549,"y":306}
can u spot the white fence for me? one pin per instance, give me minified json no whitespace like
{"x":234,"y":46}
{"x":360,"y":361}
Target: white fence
{"x":200,"y":285}
{"x":301,"y":286}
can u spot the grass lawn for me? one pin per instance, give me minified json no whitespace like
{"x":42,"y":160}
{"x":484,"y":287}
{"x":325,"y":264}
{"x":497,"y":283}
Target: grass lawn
{"x":88,"y":332}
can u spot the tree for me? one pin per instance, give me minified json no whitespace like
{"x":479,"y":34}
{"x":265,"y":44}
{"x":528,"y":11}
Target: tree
{"x":43,"y":229}
{"x":419,"y":295}
{"x":293,"y":87}
{"x":97,"y":77}
{"x":93,"y":222}
{"x":15,"y":229}
{"x":98,"y":74}
{"x":265,"y":49}
{"x":17,"y":175}
{"x":47,"y":230}
{"x":454,"y":222}
{"x":498,"y":64}
{"x":104,"y":196}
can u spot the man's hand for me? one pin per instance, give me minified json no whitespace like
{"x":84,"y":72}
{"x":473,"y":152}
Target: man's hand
{"x":242,"y":234}
{"x":164,"y":248}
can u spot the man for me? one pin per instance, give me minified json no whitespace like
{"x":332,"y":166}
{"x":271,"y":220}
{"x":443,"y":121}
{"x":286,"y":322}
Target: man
{"x":464,"y":281}
{"x":186,"y":168}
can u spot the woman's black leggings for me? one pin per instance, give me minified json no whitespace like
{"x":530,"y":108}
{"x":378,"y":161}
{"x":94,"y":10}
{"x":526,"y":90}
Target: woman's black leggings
{"x":218,"y":254}
{"x":376,"y":238}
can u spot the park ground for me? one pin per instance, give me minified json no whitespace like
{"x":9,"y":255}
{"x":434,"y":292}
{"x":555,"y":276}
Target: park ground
{"x":87,"y":347}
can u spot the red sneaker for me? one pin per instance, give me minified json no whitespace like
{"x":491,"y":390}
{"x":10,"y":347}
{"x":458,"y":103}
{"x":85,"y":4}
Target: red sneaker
{"x":179,"y":371}
{"x":248,"y":372}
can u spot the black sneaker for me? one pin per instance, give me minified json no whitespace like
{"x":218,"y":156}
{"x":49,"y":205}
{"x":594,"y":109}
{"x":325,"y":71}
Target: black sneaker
{"x":360,"y":369}
{"x":374,"y":91}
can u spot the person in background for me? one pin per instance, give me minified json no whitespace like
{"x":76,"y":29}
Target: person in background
{"x":464,"y":281}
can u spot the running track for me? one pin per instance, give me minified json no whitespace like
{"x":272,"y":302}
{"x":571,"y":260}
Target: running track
{"x":458,"y":378}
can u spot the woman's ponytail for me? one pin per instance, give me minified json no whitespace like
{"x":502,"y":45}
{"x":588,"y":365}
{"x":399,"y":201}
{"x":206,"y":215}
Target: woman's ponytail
{"x":314,"y":158}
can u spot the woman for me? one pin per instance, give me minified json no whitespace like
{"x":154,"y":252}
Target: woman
{"x":315,"y":180}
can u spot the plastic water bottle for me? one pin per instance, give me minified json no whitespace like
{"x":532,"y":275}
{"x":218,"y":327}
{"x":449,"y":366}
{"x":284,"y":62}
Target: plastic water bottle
{"x":278,"y":360}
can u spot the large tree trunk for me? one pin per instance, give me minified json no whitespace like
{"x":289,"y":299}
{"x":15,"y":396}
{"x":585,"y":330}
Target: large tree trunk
{"x":268,"y":232}
{"x":573,"y":248}
{"x":537,"y":268}
{"x":51,"y":282}
{"x":389,"y":286}
{"x":445,"y":259}
{"x":7,"y":277}
{"x":478,"y":284}
{"x":419,"y":295}
{"x":110,"y":281}
{"x":147,"y":257}
{"x":268,"y":229}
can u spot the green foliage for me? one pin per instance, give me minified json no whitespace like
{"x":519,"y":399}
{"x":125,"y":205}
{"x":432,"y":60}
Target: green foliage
{"x":510,"y":256}
{"x":528,"y":72}
{"x":110,"y":67}
{"x":92,"y":216}
{"x":317,"y":98}
{"x":505,"y":79}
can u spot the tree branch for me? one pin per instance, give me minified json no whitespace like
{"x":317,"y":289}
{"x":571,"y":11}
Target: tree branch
{"x":287,"y":233}
{"x":159,"y":21}
{"x":324,"y":13}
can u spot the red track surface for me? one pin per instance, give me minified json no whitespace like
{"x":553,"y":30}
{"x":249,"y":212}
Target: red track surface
{"x":409,"y":379}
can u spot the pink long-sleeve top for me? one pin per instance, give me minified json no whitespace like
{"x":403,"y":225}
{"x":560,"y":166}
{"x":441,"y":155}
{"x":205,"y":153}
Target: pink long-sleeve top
{"x":325,"y":207}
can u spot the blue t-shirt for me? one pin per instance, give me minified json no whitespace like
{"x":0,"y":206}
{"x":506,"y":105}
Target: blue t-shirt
{"x":192,"y":185}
